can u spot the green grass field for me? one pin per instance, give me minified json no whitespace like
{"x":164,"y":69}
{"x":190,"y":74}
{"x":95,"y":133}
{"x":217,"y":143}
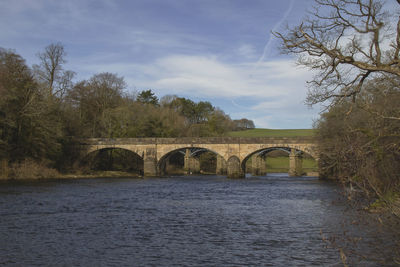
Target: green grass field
{"x":281,"y":164}
{"x":272,"y":133}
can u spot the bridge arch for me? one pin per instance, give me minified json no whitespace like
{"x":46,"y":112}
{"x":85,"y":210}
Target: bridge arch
{"x":259,"y":158}
{"x":112,"y":158}
{"x":304,"y":148}
{"x":168,"y":148}
{"x":93,"y":148}
{"x":190,"y":160}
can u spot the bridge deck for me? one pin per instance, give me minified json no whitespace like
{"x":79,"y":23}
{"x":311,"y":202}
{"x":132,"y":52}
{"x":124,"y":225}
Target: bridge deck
{"x":199,"y":140}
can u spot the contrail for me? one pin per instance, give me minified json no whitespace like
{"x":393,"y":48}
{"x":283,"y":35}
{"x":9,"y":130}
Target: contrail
{"x":236,"y":104}
{"x":276,"y":26}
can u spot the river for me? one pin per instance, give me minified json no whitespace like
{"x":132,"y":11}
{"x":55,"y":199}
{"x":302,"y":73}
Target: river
{"x":178,"y":221}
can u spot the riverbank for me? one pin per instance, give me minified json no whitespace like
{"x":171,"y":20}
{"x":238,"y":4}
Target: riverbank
{"x":31,"y":170}
{"x":52,"y":174}
{"x":110,"y":174}
{"x":33,"y":174}
{"x":101,"y":174}
{"x":107,"y":174}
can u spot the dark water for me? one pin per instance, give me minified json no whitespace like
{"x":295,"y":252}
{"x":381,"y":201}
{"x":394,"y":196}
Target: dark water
{"x":178,"y":221}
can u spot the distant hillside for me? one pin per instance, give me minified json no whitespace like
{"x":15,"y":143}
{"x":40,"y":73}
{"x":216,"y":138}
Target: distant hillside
{"x":272,"y":133}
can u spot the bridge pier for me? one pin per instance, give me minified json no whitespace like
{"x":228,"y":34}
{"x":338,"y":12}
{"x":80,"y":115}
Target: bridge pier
{"x":295,"y":163}
{"x":258,"y":167}
{"x":234,"y":169}
{"x":221,"y":165}
{"x":186,"y":161}
{"x":150,"y":162}
{"x":191,"y":164}
{"x":263,"y":165}
{"x":194,"y":165}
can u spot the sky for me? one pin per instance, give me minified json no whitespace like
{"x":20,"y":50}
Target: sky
{"x":220,"y":51}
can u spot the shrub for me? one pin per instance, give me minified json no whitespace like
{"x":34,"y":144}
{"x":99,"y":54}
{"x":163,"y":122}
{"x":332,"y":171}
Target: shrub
{"x":30,"y":169}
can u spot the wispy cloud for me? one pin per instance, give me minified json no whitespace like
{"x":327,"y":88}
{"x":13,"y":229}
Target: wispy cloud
{"x":209,"y":77}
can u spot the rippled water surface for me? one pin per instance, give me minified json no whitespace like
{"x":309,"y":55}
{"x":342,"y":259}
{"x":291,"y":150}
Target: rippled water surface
{"x":177,"y":221}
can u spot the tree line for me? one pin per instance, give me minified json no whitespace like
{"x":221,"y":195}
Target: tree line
{"x":43,"y":112}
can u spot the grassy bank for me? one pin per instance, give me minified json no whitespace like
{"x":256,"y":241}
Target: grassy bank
{"x":59,"y":176}
{"x":281,"y":164}
{"x":273,"y":133}
{"x":31,"y":170}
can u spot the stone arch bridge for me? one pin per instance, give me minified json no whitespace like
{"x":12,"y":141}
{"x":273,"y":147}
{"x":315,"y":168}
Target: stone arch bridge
{"x":232,"y":152}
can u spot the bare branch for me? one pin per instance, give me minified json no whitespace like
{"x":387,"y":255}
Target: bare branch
{"x":50,"y":70}
{"x":342,"y":41}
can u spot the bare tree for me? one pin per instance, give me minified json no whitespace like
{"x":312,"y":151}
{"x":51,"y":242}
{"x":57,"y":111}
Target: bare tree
{"x":345,"y":43}
{"x":50,"y":70}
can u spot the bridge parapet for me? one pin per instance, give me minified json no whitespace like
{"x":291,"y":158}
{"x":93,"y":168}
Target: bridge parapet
{"x":198,"y":140}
